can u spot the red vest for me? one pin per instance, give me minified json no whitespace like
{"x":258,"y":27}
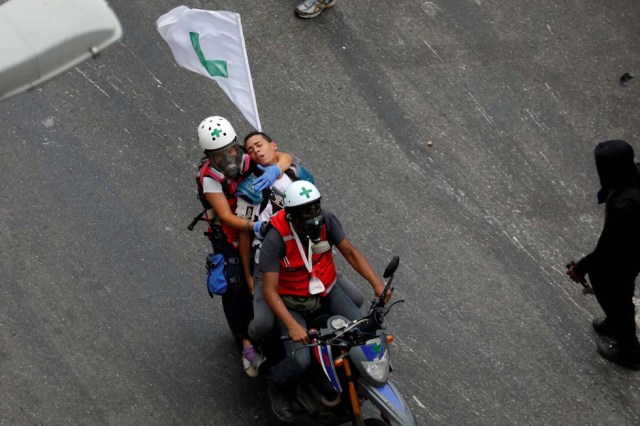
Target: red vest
{"x":294,"y":276}
{"x":229,"y":189}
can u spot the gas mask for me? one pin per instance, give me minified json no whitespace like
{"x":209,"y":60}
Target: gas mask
{"x":309,"y":221}
{"x":229,"y":166}
{"x":228,"y":163}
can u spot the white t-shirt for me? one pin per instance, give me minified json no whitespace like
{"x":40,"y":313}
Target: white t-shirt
{"x":280,"y":185}
{"x":211,"y":185}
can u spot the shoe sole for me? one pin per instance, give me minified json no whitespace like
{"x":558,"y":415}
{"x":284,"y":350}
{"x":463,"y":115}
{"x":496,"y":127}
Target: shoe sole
{"x":313,"y":15}
{"x":606,"y":355}
{"x":249,"y":369}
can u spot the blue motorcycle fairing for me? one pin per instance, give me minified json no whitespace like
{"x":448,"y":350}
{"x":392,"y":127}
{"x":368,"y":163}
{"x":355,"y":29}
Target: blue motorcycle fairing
{"x":390,"y":401}
{"x":388,"y":392}
{"x":374,"y":350}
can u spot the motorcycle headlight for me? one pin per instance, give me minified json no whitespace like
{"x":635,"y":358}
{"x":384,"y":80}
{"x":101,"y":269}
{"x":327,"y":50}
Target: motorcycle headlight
{"x":378,"y":370}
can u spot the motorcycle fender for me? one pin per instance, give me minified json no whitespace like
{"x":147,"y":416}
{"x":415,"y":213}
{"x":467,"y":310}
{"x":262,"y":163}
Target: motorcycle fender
{"x":325,"y":358}
{"x":390,"y":401}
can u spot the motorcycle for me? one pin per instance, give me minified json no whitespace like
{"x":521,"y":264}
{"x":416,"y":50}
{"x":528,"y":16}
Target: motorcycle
{"x":354,"y":358}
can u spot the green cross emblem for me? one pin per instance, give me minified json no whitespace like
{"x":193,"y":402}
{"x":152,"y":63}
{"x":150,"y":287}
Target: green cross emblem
{"x":216,"y":132}
{"x":306,"y":192}
{"x":215,"y":68}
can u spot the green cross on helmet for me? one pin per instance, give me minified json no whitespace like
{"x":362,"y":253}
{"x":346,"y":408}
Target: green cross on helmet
{"x":300,"y":193}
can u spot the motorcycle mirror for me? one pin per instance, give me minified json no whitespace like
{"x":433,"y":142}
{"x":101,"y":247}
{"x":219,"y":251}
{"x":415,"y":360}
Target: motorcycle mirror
{"x":391,"y":267}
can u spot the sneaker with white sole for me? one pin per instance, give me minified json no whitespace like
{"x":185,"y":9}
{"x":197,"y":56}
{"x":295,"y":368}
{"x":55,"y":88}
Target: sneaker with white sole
{"x":251,"y":361}
{"x":312,"y":8}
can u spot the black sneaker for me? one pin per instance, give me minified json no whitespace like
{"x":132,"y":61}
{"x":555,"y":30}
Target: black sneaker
{"x":281,"y":404}
{"x":601,"y":326}
{"x":629,"y":358}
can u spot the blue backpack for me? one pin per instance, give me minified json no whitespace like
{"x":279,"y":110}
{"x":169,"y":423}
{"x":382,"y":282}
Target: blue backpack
{"x":216,"y":280}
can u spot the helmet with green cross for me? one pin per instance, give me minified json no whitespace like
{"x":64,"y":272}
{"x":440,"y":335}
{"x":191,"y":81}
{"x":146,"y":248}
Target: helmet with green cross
{"x":301,"y":201}
{"x":216,"y":133}
{"x":300,"y":193}
{"x":302,"y":208}
{"x":219,"y":141}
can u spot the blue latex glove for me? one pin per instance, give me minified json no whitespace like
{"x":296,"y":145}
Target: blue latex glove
{"x":270,"y":175}
{"x":257,"y":231}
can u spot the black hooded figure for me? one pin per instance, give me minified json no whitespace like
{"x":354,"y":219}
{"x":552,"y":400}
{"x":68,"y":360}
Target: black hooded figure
{"x":615,"y":262}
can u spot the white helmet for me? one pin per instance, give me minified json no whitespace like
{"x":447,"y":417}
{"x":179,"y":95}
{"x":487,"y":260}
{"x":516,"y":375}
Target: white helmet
{"x":303,"y":211}
{"x":300,"y":193}
{"x":215,"y":133}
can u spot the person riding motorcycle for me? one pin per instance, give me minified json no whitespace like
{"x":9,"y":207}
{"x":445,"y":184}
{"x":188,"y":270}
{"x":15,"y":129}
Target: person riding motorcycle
{"x":223,"y":168}
{"x":263,"y":150}
{"x":299,"y":281}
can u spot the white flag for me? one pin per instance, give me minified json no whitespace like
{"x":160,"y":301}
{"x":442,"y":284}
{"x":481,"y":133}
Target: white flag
{"x":211,"y":43}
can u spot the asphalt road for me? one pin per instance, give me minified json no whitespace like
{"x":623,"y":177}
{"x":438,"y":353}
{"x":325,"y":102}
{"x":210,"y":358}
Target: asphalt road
{"x":104,"y":317}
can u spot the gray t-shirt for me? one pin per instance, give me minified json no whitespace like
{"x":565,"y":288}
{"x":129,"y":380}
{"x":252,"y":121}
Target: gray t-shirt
{"x":273,"y":247}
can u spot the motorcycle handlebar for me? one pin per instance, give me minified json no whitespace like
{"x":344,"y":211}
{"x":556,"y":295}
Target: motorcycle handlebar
{"x":312,"y":333}
{"x":375,"y":318}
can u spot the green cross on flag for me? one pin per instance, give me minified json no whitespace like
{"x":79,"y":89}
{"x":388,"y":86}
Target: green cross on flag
{"x":214,"y":67}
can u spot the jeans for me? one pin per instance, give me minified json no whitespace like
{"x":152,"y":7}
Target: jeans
{"x":236,"y":302}
{"x":296,"y":361}
{"x":263,"y":318}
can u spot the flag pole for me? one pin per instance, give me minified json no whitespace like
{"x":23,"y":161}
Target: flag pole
{"x":246,"y":61}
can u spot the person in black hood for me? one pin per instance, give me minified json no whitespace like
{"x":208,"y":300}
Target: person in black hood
{"x":615,"y":262}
